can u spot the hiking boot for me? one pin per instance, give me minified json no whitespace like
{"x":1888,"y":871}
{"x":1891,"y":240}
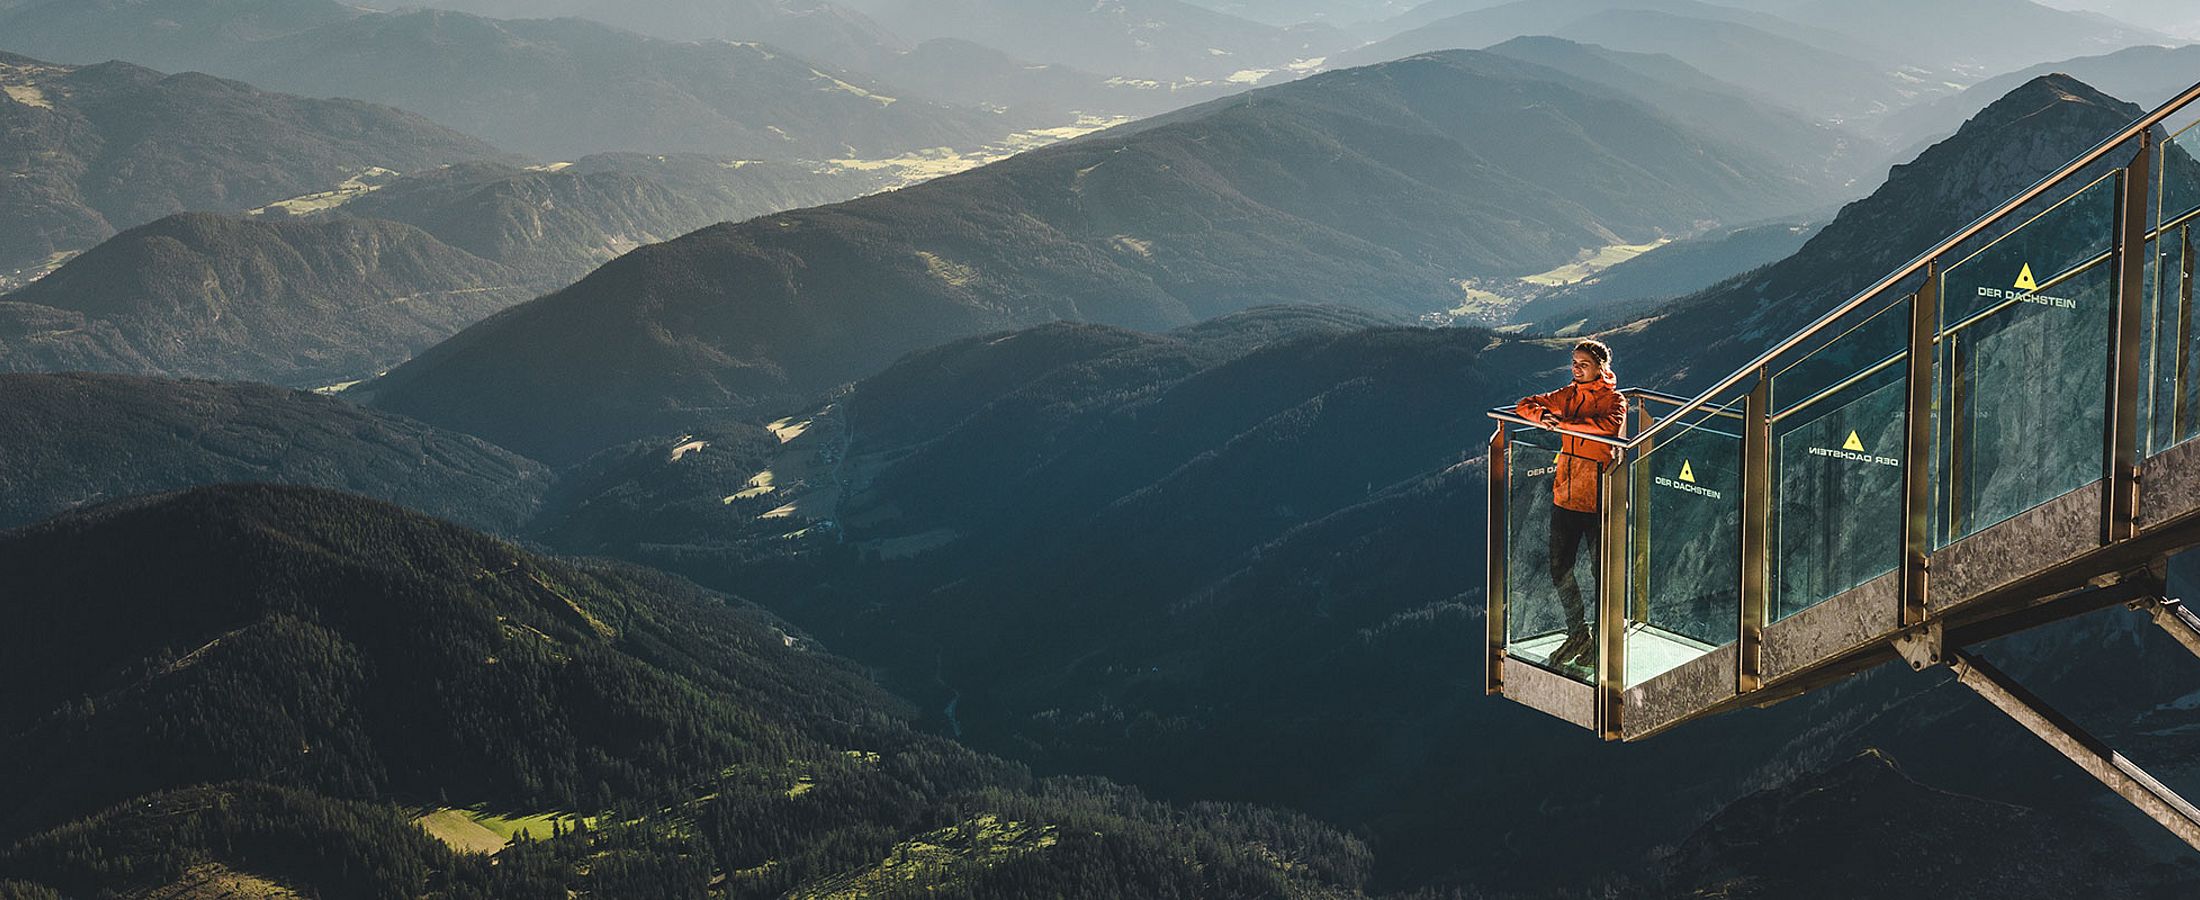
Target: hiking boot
{"x":1578,"y":645}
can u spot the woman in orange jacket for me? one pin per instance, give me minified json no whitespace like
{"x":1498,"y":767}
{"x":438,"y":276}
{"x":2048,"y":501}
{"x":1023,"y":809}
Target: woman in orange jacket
{"x":1591,"y":403}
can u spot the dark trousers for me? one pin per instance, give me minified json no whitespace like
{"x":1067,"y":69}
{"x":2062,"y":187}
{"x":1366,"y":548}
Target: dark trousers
{"x":1569,"y":530}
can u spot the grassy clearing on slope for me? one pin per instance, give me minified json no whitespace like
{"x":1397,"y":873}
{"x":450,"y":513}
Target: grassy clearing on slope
{"x":477,"y":830}
{"x":1592,"y":261}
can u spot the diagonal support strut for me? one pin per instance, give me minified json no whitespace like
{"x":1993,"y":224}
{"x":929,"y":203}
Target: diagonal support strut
{"x":2174,"y":618}
{"x":2096,"y":758}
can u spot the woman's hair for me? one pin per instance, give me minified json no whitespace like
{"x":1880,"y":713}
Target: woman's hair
{"x":1597,"y":350}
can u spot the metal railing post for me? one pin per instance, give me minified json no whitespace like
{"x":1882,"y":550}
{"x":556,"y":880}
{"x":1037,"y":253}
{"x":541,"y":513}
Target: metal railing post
{"x":2120,"y":440}
{"x":1498,"y":560}
{"x":1612,"y":568}
{"x":2181,"y":389}
{"x":1756,"y":584}
{"x":1638,"y":548}
{"x":1917,"y":448}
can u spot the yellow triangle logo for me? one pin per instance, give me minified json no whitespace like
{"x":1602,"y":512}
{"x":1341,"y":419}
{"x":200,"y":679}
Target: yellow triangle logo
{"x":2024,"y":279}
{"x":1854,"y":443}
{"x":1688,"y":473}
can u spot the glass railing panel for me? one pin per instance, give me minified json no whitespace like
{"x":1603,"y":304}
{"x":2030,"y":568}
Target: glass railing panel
{"x":2177,"y":167}
{"x":1837,"y":451}
{"x":2022,"y":365}
{"x":2165,"y":401}
{"x":1551,"y":561}
{"x":1684,"y":538}
{"x":2168,"y":398}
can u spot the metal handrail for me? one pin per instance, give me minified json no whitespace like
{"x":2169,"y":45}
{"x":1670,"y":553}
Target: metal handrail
{"x":1506,"y":415}
{"x":1918,"y":263}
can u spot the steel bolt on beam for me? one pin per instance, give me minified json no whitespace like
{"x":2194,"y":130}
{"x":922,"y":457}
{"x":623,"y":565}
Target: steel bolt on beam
{"x":2174,"y":618}
{"x":2097,"y":759}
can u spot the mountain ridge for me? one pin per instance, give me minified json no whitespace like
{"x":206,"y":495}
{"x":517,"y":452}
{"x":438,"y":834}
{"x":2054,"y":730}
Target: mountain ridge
{"x":1256,"y":200}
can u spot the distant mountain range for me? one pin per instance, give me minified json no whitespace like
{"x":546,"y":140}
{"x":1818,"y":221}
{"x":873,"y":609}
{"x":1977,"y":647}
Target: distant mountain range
{"x":552,"y":224}
{"x":96,"y":149}
{"x":814,"y":29}
{"x":556,"y":89}
{"x":1158,"y":40}
{"x":2019,"y":139}
{"x":1380,"y":188}
{"x":1985,"y":36}
{"x":1809,"y":71}
{"x":2173,"y":16}
{"x":956,"y":70}
{"x":1292,"y":12}
{"x":2146,"y":76}
{"x":339,"y":285}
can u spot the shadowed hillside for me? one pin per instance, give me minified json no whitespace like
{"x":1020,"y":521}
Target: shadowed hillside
{"x":362,"y":659}
{"x":68,"y":441}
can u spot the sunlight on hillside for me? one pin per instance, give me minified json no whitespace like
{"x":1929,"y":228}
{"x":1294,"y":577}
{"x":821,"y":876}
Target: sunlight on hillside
{"x":1592,"y":261}
{"x":11,"y":280}
{"x":19,"y":80}
{"x":683,"y":449}
{"x":478,"y":831}
{"x":28,"y":95}
{"x":974,"y":845}
{"x":214,"y":880}
{"x":367,"y":181}
{"x":835,"y":84}
{"x":788,"y":429}
{"x":953,"y":273}
{"x":939,"y":162}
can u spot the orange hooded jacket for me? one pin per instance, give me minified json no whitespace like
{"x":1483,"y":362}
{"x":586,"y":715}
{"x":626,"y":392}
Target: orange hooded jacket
{"x":1596,"y":407}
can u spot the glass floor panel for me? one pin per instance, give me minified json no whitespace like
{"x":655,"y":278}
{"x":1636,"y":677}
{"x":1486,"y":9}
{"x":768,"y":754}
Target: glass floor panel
{"x":1651,"y":651}
{"x":1654,"y":651}
{"x":1538,"y":650}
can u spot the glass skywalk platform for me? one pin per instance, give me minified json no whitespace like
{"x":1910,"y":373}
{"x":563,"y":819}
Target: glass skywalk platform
{"x":1997,"y":435}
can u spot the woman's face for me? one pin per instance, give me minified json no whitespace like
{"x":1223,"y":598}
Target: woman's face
{"x":1586,"y":368}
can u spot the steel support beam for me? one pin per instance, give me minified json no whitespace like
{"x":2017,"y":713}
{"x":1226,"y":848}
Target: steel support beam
{"x":1496,"y":562}
{"x":2119,"y":774}
{"x":2127,"y":324}
{"x":1917,"y":448}
{"x":1612,"y":595}
{"x":2174,"y":618}
{"x":1756,"y":588}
